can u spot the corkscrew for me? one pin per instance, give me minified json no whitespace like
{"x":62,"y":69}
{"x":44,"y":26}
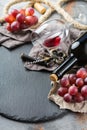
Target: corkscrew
{"x":43,"y":62}
{"x":55,"y":57}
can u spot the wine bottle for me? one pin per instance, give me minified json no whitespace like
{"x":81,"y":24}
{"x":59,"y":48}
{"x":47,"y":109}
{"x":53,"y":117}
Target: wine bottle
{"x":77,"y":54}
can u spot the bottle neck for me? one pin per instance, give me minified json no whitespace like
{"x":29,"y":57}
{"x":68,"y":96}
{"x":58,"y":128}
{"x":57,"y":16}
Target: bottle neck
{"x":64,"y":67}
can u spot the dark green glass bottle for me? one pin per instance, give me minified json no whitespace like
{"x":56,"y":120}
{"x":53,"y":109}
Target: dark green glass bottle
{"x":77,"y":54}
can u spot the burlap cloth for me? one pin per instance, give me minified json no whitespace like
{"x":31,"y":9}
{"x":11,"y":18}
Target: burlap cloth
{"x":75,"y":107}
{"x":12,"y":40}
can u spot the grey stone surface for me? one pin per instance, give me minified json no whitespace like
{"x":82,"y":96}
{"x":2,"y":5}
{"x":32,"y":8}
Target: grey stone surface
{"x":23,"y":94}
{"x":71,"y":121}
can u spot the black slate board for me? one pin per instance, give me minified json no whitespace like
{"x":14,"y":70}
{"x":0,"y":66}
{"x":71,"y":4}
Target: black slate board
{"x":23,"y":93}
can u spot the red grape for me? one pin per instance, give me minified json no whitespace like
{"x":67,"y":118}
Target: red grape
{"x":14,"y":12}
{"x":85,"y":81}
{"x":72,"y":78}
{"x":23,"y":26}
{"x":67,"y":97}
{"x":29,"y":20}
{"x":15,"y":26}
{"x":20,"y":18}
{"x":35,"y":19}
{"x":22,"y":11}
{"x":84,"y":91}
{"x":29,"y":11}
{"x":73,"y":90}
{"x":62,"y":91}
{"x":79,"y":82}
{"x":9,"y":18}
{"x":78,"y":98}
{"x":8,"y":27}
{"x":81,"y":73}
{"x":64,"y":82}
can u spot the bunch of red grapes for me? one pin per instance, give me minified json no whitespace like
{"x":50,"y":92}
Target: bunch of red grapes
{"x":21,"y":19}
{"x":73,"y":88}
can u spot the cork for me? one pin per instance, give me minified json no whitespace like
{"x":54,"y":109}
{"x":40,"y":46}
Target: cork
{"x":41,"y":9}
{"x":53,"y":77}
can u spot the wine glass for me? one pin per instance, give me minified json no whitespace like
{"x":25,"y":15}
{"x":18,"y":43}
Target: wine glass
{"x":52,"y":34}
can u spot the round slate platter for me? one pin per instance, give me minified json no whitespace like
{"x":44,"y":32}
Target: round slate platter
{"x":23,"y":93}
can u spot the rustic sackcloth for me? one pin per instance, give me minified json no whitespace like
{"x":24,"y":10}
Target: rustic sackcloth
{"x":12,"y":40}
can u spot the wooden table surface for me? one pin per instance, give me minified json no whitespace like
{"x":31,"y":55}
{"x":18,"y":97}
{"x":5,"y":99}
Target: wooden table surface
{"x":71,"y":121}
